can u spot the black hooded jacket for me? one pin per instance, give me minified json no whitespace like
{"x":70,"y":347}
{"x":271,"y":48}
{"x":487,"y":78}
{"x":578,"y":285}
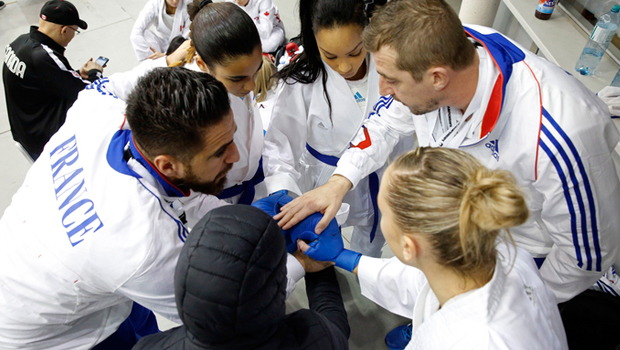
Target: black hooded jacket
{"x":230,"y":291}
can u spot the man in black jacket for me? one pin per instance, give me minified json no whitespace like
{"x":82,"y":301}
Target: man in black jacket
{"x":230,"y":285}
{"x":39,"y":83}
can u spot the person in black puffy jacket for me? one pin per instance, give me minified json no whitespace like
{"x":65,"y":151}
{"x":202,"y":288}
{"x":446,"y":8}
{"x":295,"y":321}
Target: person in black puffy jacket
{"x":230,"y":290}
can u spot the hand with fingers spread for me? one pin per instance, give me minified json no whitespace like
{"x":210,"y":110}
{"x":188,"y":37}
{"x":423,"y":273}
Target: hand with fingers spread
{"x":326,"y":200}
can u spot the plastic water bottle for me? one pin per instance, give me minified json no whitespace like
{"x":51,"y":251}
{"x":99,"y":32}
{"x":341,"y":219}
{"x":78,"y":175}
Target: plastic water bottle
{"x":616,"y":81}
{"x":599,"y":41}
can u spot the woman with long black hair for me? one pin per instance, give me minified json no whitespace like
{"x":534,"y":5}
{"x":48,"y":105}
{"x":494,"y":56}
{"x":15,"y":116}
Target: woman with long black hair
{"x":326,"y":94}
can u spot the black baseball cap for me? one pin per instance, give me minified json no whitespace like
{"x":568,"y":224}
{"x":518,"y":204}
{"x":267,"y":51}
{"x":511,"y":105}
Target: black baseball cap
{"x":63,"y":13}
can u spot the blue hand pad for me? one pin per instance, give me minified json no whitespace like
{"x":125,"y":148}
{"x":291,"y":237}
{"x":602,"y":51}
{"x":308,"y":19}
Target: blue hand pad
{"x":271,"y":205}
{"x":328,"y":245}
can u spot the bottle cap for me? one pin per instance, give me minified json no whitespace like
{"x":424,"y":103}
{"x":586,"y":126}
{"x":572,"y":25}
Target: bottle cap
{"x":615,"y":8}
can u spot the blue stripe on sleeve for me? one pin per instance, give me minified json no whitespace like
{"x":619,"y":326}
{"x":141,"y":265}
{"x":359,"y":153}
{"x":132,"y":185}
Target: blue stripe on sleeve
{"x":582,"y":209}
{"x":181,"y":230}
{"x":569,"y":201}
{"x":587,"y":186}
{"x":606,"y":288}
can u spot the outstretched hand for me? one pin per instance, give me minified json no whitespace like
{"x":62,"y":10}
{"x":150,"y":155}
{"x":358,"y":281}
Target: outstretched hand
{"x":326,"y":200}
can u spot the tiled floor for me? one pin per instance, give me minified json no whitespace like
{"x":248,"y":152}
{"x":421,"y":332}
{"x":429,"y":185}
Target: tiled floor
{"x":109,"y":25}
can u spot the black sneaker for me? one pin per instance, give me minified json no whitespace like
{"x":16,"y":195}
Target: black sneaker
{"x":2,"y":5}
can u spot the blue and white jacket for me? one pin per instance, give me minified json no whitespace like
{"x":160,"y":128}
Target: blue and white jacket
{"x":89,"y":232}
{"x":532,"y":118}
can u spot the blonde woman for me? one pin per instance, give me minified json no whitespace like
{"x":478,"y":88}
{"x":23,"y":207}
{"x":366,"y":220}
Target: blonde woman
{"x":457,"y":274}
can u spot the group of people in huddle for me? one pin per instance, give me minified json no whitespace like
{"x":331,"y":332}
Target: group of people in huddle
{"x":486,"y":169}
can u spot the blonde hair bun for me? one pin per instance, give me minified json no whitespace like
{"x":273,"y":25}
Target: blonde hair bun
{"x":493,"y":201}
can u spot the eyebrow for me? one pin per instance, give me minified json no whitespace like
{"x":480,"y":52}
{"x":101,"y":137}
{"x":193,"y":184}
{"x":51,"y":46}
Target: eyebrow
{"x":386,"y":77}
{"x":221,"y":149}
{"x":329,"y":53}
{"x":245,"y":76}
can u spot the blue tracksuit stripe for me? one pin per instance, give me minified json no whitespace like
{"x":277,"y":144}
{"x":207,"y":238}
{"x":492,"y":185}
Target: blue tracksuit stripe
{"x":569,"y":201}
{"x":181,"y":230}
{"x":586,"y":184}
{"x":580,"y":204}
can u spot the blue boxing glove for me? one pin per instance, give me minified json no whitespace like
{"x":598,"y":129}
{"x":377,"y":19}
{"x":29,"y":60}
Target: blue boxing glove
{"x":271,"y":205}
{"x":328,"y":245}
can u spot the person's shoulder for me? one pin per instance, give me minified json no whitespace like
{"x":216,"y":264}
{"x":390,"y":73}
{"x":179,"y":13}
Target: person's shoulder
{"x":174,"y":338}
{"x":464,"y":333}
{"x":313,"y":330}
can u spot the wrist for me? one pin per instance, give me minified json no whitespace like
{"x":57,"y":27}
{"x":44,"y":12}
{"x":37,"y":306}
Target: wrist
{"x":340,"y":184}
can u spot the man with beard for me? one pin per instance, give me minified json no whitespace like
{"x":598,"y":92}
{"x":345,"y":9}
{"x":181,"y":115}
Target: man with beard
{"x":99,"y":222}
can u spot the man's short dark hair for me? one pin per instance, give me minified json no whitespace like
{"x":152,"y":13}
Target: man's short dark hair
{"x":170,"y":109}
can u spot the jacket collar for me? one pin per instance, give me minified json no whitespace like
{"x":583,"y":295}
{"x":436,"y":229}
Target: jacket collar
{"x":504,"y":54}
{"x":36,"y":35}
{"x":116,"y":159}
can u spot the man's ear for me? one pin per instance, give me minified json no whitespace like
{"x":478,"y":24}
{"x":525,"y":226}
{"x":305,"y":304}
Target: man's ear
{"x":201,"y":64}
{"x":439,"y":77}
{"x":169,"y":166}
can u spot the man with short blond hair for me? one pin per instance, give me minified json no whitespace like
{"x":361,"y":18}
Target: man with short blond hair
{"x":510,"y":109}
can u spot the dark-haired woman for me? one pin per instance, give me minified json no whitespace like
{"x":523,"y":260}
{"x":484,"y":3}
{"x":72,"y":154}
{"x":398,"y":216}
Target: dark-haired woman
{"x":224,"y":43}
{"x":327,"y":93}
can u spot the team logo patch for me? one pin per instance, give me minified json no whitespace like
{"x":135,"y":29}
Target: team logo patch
{"x":43,"y":17}
{"x":494,"y":147}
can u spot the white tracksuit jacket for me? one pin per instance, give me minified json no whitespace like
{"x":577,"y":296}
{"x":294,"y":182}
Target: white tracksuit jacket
{"x":551,"y":132}
{"x":87,"y":233}
{"x":265,"y":15}
{"x":159,"y":38}
{"x":72,"y":258}
{"x":514,"y":310}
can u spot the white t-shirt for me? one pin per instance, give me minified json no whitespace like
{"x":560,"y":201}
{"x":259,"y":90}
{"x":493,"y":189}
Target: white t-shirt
{"x":168,"y":19}
{"x":359,"y":88}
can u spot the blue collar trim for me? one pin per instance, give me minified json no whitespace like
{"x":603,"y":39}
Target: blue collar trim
{"x":504,"y":55}
{"x":116,"y":159}
{"x":116,"y":153}
{"x":171,"y":190}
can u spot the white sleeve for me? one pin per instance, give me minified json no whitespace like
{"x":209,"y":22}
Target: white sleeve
{"x":285,"y":140}
{"x":122,"y":84}
{"x":197,"y":205}
{"x":581,"y":200}
{"x":270,"y":27}
{"x":390,"y":284}
{"x":153,"y":287}
{"x":294,"y":272}
{"x":145,"y":18}
{"x":374,"y":142}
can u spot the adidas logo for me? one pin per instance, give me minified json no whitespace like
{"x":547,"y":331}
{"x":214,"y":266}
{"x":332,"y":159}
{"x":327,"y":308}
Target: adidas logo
{"x":494,"y":147}
{"x":359,"y":97}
